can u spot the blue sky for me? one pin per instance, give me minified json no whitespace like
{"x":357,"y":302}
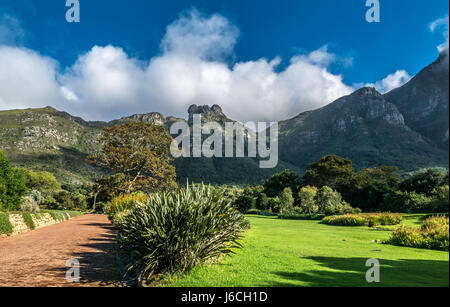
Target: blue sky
{"x":357,"y":51}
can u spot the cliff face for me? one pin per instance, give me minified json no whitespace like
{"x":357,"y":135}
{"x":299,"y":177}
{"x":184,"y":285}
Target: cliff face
{"x":364,"y":127}
{"x":424,"y":102}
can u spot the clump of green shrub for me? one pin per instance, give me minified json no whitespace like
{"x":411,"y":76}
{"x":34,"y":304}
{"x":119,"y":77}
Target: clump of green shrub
{"x":173,"y":231}
{"x":123,"y":202}
{"x":60,"y":216}
{"x":73,"y":214}
{"x":346,"y":220}
{"x":317,"y":203}
{"x":5,"y":225}
{"x":407,"y":202}
{"x":119,"y":218}
{"x":365,"y":219}
{"x":433,"y":234}
{"x":383,"y":219}
{"x":12,"y":185}
{"x":28,"y":219}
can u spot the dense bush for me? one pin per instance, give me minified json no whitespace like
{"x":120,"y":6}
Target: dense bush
{"x":275,"y":185}
{"x":366,"y":219}
{"x":307,"y":197}
{"x":119,"y":218}
{"x":244,"y":203}
{"x":5,"y":225}
{"x":376,"y":219}
{"x":346,"y":220}
{"x":441,"y":199}
{"x":177,"y":230}
{"x":332,"y":171}
{"x":330,"y":202}
{"x":80,"y":194}
{"x":124,"y":202}
{"x":262,"y":202}
{"x":371,"y":196}
{"x":286,"y":201}
{"x":63,"y":200}
{"x":407,"y":202}
{"x":425,"y":182}
{"x":44,"y":182}
{"x":274,"y":204}
{"x":433,"y":234}
{"x":12,"y":185}
{"x":29,"y":204}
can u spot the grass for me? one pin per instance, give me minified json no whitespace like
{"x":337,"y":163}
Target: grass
{"x":5,"y":224}
{"x":62,"y":215}
{"x":28,"y":218}
{"x":306,"y":253}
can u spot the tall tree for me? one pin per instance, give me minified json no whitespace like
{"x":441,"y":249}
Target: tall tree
{"x":425,"y":182}
{"x":12,"y":185}
{"x":389,"y":174}
{"x":139,"y":151}
{"x":335,"y":172}
{"x":275,"y":185}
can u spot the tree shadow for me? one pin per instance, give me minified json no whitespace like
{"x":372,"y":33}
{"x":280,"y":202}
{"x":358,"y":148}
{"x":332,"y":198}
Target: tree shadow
{"x":351,"y":272}
{"x":98,"y":266}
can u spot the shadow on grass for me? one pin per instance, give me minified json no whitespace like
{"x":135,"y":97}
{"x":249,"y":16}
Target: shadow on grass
{"x":351,"y":272}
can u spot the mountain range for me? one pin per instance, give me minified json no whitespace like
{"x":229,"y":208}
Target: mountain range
{"x":407,"y":127}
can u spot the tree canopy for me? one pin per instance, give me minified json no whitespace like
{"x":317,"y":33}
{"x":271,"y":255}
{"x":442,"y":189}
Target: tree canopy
{"x":12,"y":185}
{"x":139,"y":151}
{"x":275,"y":185}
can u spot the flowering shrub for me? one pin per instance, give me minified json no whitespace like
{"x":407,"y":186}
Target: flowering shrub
{"x":124,"y":202}
{"x":432,"y":234}
{"x":364,"y":219}
{"x":346,"y":220}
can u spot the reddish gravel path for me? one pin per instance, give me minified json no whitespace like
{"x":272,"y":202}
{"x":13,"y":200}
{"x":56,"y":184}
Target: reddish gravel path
{"x":38,"y":258}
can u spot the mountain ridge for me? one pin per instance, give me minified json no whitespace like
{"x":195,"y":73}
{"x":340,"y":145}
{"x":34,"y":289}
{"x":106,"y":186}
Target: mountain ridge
{"x":365,"y":126}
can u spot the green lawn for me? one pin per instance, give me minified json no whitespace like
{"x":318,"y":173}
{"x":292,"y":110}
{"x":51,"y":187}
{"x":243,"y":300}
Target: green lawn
{"x":307,"y":253}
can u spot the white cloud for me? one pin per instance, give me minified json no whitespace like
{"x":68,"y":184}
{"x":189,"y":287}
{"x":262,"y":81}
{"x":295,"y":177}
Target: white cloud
{"x":391,"y":81}
{"x":193,"y":34}
{"x":105,"y":83}
{"x":27,"y":79}
{"x":68,"y":94}
{"x":441,"y":24}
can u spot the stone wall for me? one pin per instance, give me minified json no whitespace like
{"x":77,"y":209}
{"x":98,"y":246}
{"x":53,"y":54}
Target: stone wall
{"x":40,"y":220}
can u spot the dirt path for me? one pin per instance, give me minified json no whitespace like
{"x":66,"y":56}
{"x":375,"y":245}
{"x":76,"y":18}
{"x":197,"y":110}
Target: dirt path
{"x":38,"y":258}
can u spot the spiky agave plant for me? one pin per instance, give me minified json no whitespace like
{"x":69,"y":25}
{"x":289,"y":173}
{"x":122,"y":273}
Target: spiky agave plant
{"x":176,"y":230}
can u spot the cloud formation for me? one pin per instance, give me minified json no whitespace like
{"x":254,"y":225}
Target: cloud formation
{"x":391,"y":81}
{"x":441,"y":24}
{"x":192,"y":68}
{"x":27,"y":79}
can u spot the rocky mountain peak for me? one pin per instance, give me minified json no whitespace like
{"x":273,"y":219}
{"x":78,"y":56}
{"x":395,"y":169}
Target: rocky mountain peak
{"x":424,"y":101}
{"x":208,"y":113}
{"x":154,"y":118}
{"x":367,"y":91}
{"x":206,"y":110}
